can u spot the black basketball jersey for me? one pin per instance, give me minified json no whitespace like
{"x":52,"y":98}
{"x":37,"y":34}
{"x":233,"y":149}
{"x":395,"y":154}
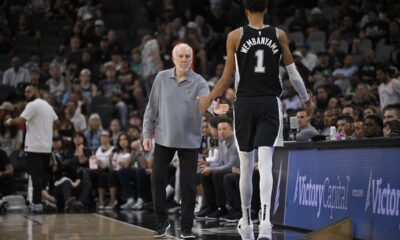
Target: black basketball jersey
{"x":257,"y":63}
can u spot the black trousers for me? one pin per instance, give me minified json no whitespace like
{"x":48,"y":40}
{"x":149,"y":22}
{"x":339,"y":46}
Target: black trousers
{"x":231,"y":185}
{"x":214,"y":191}
{"x":188,"y":166}
{"x":7,"y":185}
{"x":39,"y":169}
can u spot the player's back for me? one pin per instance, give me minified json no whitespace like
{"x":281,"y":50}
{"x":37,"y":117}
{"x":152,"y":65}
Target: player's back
{"x":257,"y":59}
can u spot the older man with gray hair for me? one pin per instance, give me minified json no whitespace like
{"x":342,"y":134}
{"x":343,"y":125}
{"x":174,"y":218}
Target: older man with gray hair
{"x":172,"y":114}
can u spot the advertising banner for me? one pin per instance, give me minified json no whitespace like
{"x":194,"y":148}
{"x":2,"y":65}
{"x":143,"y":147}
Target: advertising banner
{"x":362,"y":183}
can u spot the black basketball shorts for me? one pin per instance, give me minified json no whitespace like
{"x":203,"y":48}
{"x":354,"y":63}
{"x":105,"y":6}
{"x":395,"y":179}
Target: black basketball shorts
{"x":258,"y":122}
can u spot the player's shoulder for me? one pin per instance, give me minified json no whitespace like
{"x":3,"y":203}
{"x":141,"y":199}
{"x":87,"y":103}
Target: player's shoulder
{"x":235,"y":33}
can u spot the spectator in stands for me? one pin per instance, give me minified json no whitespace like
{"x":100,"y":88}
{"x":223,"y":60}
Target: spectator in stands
{"x":348,"y":31}
{"x":291,"y":99}
{"x":65,"y":128}
{"x":16,"y":74}
{"x":217,"y":18}
{"x":113,"y":41}
{"x":362,"y":96}
{"x":373,"y":126}
{"x":89,"y":89}
{"x":205,"y":30}
{"x":305,"y":130}
{"x":322,"y":73}
{"x":122,"y":162}
{"x":358,"y":128}
{"x":367,"y":70}
{"x":11,"y":137}
{"x":357,"y":51}
{"x":322,"y":98}
{"x":57,"y":84}
{"x":87,"y":62}
{"x":335,"y":51}
{"x":213,"y":174}
{"x":351,"y":111}
{"x":343,"y":74}
{"x":7,"y":183}
{"x":78,"y":155}
{"x":34,"y":61}
{"x":116,"y":131}
{"x":299,"y":22}
{"x":370,"y":110}
{"x":102,"y":54}
{"x":343,"y":124}
{"x":318,"y":22}
{"x":110,"y":84}
{"x":75,"y":116}
{"x":375,"y":29}
{"x":392,"y":128}
{"x":92,"y":134}
{"x":391,"y":112}
{"x":330,"y":116}
{"x":151,"y":59}
{"x":193,"y":38}
{"x":107,"y":177}
{"x":24,"y":27}
{"x":136,"y":64}
{"x":389,"y":89}
{"x":309,"y":59}
{"x":73,"y":52}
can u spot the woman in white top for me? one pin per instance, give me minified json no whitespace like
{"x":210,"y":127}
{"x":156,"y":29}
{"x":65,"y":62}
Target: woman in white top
{"x":122,"y":163}
{"x":107,"y":177}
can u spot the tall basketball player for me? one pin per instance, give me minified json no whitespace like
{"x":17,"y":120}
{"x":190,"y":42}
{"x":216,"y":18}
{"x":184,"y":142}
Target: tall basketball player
{"x":256,"y":50}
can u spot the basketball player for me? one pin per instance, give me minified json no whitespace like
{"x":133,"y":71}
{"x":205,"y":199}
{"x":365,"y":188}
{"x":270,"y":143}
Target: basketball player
{"x":256,"y":50}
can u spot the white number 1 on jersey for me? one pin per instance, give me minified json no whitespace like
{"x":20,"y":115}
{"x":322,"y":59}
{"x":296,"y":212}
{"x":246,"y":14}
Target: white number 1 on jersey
{"x":260,"y":68}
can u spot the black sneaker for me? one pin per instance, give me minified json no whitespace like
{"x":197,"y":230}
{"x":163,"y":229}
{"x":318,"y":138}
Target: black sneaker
{"x":203,"y":213}
{"x":186,"y":233}
{"x":161,"y":229}
{"x":232,"y":216}
{"x":217,"y":214}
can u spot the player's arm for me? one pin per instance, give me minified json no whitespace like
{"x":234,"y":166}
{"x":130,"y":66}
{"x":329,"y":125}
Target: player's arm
{"x":224,"y":82}
{"x":294,"y":75}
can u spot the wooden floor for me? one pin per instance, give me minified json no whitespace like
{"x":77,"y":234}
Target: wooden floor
{"x":69,"y":226}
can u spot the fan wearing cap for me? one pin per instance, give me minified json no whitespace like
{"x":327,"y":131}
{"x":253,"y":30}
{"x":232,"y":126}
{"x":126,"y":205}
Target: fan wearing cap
{"x":11,"y":137}
{"x":39,"y":118}
{"x":89,"y":90}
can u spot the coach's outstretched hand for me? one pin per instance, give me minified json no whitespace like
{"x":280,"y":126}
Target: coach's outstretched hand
{"x":220,"y":108}
{"x":204,"y":103}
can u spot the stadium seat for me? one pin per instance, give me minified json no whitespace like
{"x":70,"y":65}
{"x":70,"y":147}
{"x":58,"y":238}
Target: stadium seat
{"x":104,"y":107}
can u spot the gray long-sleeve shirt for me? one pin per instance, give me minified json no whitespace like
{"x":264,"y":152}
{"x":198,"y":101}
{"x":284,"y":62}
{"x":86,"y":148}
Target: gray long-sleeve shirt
{"x":172,"y":110}
{"x":228,"y":156}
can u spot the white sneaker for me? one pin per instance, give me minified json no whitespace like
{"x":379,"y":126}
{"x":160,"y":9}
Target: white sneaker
{"x":129,"y":203}
{"x":138,"y":205}
{"x":245,"y":230}
{"x":111,"y":206}
{"x":264,"y":231}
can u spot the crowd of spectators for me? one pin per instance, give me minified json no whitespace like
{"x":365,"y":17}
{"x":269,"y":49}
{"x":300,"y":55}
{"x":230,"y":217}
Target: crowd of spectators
{"x":95,"y":62}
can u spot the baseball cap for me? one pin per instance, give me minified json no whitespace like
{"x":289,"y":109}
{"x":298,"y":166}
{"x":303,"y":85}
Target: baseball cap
{"x":85,"y":71}
{"x":7,"y":106}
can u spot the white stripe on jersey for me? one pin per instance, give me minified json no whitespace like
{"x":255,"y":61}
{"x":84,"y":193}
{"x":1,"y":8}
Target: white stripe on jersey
{"x":237,"y":74}
{"x":279,"y":137}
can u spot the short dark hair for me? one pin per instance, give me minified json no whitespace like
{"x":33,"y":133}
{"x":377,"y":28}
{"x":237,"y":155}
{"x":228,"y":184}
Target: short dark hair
{"x":225,"y":120}
{"x":376,"y":119}
{"x":395,"y":107}
{"x":347,"y":118}
{"x":255,"y":5}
